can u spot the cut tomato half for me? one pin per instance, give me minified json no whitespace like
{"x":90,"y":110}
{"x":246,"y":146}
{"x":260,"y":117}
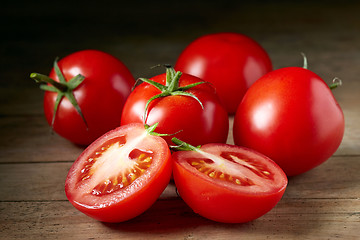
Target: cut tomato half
{"x":227,"y":183}
{"x":120,"y":175}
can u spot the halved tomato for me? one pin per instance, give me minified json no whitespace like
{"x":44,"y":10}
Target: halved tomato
{"x":120,"y":175}
{"x":227,"y":183}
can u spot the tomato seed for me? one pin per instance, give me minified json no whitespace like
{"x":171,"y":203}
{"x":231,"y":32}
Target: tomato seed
{"x":132,"y":177}
{"x":86,"y":177}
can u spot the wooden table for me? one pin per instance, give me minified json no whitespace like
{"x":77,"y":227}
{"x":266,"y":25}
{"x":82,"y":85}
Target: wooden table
{"x":320,"y":204}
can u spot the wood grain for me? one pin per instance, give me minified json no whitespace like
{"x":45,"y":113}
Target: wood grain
{"x":45,"y":181}
{"x":323,"y":203}
{"x":172,"y":219}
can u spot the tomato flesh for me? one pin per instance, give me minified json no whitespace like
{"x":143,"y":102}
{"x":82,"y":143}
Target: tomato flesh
{"x":227,"y":183}
{"x":129,"y":170}
{"x":120,"y":175}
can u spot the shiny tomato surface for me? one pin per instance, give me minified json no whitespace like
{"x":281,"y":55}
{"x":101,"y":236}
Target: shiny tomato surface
{"x":230,"y":61}
{"x":291,"y":116}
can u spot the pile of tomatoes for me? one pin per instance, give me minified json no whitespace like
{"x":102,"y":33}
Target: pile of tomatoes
{"x":175,"y":125}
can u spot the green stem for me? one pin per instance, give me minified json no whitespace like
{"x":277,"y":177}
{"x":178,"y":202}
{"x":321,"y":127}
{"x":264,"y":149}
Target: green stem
{"x":174,"y":84}
{"x":170,"y":73}
{"x":305,"y":61}
{"x":171,"y":88}
{"x":189,"y":86}
{"x":183,"y":146}
{"x":151,"y":130}
{"x":336,"y":83}
{"x":159,"y":86}
{"x":40,"y":78}
{"x":164,"y":94}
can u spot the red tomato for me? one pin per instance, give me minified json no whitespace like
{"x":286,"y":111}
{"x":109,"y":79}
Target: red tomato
{"x":291,"y":116}
{"x":230,"y":61}
{"x":100,"y":96}
{"x":227,"y":183}
{"x":180,"y":115}
{"x":120,"y":175}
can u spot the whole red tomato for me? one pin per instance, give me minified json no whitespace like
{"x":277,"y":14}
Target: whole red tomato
{"x":230,"y":61}
{"x":291,"y":116}
{"x":194,"y":115}
{"x":101,"y":85}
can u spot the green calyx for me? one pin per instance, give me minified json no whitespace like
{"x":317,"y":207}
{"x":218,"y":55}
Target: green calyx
{"x":171,"y":88}
{"x":183,"y":146}
{"x":151,"y":130}
{"x":62,"y":88}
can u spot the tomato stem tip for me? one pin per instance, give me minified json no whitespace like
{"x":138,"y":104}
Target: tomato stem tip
{"x":43,"y":79}
{"x":305,"y":65}
{"x":337,"y":82}
{"x":151,"y":130}
{"x":183,"y":146}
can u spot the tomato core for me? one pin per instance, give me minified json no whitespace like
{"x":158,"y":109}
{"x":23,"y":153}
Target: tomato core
{"x":120,"y":175}
{"x":108,"y":169}
{"x":251,"y":164}
{"x":218,"y":169}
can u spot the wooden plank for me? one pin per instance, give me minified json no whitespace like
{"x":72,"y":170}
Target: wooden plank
{"x":172,"y":219}
{"x":21,"y":101}
{"x":320,"y":204}
{"x":33,"y":182}
{"x":351,"y":142}
{"x":40,"y":182}
{"x":336,"y":178}
{"x":30,"y":139}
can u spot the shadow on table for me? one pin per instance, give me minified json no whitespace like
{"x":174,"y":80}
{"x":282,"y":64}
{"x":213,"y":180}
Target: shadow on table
{"x":166,"y":215}
{"x":308,"y":207}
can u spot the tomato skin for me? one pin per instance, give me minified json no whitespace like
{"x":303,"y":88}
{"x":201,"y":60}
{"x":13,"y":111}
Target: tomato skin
{"x":136,"y":198}
{"x":101,"y":96}
{"x":291,"y":116}
{"x":182,"y":115}
{"x":221,"y":202}
{"x":230,"y":61}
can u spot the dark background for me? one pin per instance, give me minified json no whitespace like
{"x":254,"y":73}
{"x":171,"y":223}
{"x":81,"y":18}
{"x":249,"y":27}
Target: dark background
{"x":143,"y":34}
